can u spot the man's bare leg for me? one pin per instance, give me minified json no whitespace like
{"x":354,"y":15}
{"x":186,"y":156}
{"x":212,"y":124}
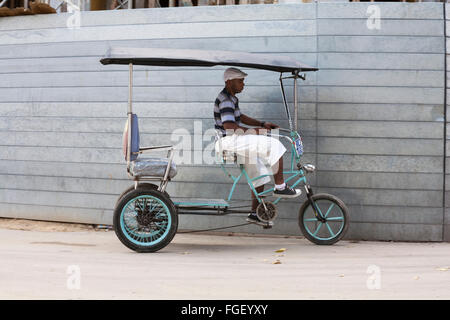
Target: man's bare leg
{"x":252,"y":217}
{"x":278,"y":177}
{"x":254,"y":200}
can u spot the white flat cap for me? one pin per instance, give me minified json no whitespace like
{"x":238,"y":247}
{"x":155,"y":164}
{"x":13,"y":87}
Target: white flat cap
{"x":233,"y":73}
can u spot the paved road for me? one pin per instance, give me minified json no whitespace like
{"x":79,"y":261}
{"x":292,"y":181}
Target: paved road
{"x":95,"y":265}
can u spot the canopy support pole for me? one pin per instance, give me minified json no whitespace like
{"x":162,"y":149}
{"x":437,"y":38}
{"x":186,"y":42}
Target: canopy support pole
{"x":295,"y":102}
{"x":295,"y":76}
{"x":130,"y":110}
{"x":288,"y":114}
{"x":130,"y":87}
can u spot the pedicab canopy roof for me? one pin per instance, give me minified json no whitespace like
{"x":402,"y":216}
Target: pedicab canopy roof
{"x":202,"y":58}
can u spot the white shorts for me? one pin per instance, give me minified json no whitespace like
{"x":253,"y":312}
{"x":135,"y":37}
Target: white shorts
{"x":255,"y":152}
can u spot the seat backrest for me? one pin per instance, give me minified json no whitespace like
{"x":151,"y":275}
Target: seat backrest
{"x":134,"y":138}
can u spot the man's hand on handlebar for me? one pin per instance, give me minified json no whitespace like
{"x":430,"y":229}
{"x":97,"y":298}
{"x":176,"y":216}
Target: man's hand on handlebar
{"x":270,"y":125}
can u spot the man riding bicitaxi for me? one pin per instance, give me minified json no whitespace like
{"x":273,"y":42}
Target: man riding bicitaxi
{"x":249,"y":143}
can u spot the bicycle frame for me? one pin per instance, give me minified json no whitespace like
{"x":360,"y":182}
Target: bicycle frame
{"x":293,"y":172}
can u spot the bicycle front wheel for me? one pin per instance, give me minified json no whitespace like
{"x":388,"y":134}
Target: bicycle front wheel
{"x":335,"y":213}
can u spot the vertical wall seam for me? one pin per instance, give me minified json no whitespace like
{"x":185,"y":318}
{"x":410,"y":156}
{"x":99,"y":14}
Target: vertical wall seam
{"x":316,"y":91}
{"x":445,"y":121}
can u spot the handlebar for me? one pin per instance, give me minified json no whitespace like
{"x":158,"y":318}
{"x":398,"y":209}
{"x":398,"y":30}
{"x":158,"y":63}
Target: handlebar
{"x":282,"y":136}
{"x":285,"y":130}
{"x":292,"y":138}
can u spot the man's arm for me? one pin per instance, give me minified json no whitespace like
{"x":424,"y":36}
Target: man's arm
{"x":228,"y":125}
{"x":253,"y":122}
{"x":226,"y":109}
{"x":250,"y":121}
{"x":233,"y":126}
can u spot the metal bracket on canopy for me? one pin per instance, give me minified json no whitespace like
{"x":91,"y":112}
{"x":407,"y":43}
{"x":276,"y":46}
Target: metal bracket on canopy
{"x":295,"y":75}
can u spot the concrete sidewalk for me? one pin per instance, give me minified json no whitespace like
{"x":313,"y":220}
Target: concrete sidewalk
{"x":95,"y":265}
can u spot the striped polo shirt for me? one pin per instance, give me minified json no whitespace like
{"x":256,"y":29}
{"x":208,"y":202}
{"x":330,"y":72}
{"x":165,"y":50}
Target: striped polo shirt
{"x":226,"y":109}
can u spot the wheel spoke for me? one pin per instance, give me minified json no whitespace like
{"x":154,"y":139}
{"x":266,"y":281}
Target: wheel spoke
{"x":318,"y":228}
{"x":145,"y":204}
{"x":329,"y":229}
{"x":138,"y":204}
{"x":160,"y":211}
{"x":329,"y":209}
{"x":152,"y":206}
{"x":336,"y":219}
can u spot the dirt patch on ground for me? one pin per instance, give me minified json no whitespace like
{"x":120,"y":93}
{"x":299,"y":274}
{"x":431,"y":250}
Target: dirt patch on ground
{"x":48,"y":226}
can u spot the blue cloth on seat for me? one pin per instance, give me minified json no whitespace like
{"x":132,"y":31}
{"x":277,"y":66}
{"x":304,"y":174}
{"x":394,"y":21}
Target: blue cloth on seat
{"x":134,"y":136}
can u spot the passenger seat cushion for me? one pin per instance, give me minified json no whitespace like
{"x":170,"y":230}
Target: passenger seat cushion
{"x":152,"y":167}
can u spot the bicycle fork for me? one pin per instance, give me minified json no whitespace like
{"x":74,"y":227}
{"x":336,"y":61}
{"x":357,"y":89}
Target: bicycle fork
{"x":317,"y":213}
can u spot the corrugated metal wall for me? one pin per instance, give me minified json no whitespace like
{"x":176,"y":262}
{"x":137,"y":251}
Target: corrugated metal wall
{"x":380,"y":111}
{"x":372,"y":116}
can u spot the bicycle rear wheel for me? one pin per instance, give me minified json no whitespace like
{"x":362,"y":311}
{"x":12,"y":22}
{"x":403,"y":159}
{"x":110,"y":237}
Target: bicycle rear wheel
{"x":145,"y":220}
